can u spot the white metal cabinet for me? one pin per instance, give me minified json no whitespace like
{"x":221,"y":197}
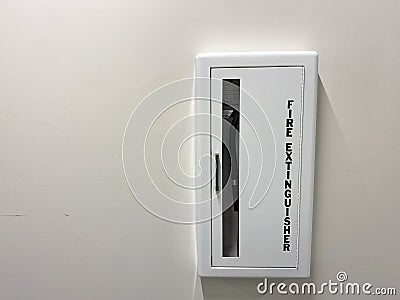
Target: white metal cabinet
{"x":269,"y":152}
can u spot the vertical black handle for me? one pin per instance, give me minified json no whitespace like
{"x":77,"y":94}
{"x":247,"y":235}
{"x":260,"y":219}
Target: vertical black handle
{"x":217,"y":167}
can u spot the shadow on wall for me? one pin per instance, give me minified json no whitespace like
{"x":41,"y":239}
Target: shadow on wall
{"x":329,"y":141}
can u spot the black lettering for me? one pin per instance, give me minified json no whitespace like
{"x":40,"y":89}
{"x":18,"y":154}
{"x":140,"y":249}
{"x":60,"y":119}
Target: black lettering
{"x":289,"y":132}
{"x":286,"y":229}
{"x":286,"y":238}
{"x":288,"y":184}
{"x":289,"y":146}
{"x":288,"y":181}
{"x":289,"y":156}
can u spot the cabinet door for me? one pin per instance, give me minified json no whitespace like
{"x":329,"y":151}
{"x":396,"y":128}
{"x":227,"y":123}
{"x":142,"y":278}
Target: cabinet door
{"x":258,"y":160}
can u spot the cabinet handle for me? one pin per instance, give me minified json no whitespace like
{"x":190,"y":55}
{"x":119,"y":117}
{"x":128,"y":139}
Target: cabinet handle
{"x":217,"y":167}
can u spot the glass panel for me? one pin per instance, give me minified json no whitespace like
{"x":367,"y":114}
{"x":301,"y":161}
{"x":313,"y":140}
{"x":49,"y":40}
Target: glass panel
{"x":230,"y":166}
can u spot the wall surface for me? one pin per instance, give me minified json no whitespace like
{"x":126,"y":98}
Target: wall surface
{"x":72,"y":71}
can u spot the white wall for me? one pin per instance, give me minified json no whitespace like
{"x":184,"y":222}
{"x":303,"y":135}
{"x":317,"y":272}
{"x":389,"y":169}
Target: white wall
{"x":72,"y":71}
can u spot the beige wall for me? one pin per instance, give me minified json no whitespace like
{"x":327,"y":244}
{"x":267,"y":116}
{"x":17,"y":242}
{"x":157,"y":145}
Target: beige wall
{"x":72,"y":71}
